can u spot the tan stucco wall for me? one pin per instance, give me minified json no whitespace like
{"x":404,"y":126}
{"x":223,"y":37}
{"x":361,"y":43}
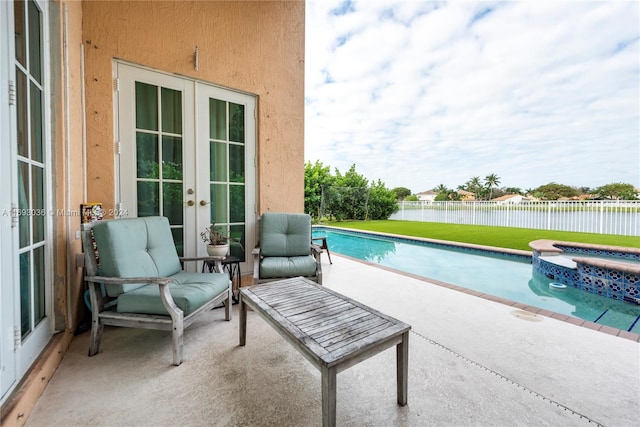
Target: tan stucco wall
{"x":255,"y":47}
{"x":67,"y":159}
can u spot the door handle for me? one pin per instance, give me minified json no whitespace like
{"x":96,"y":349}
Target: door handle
{"x":190,"y":203}
{"x":204,"y":203}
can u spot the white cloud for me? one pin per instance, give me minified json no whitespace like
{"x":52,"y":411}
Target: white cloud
{"x":421,"y":93}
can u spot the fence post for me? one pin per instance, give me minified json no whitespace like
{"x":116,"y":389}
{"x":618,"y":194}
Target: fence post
{"x":474,"y":212}
{"x":601,"y":215}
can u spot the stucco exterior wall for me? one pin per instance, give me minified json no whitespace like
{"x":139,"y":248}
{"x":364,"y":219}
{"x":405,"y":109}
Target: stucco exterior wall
{"x":255,"y":47}
{"x":67,"y":160}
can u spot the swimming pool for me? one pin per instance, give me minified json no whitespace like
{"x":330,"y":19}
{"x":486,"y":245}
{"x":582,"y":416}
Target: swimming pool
{"x":509,"y":276}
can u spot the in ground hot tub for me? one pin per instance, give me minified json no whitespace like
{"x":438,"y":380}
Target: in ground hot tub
{"x":611,"y":271}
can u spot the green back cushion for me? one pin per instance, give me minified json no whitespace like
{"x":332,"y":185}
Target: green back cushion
{"x":135,"y":247}
{"x":285,"y":234}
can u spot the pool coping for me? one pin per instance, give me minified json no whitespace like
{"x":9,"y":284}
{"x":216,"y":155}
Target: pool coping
{"x":531,"y":309}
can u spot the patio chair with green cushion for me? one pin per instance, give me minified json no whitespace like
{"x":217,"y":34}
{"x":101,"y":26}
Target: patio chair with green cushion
{"x":285,"y":249}
{"x":137,"y":262}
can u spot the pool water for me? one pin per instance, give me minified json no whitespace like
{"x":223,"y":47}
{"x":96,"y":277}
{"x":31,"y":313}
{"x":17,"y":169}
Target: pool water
{"x":510,"y":277}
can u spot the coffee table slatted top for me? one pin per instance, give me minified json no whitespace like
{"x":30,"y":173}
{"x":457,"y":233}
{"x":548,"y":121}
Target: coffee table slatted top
{"x":333,"y":327}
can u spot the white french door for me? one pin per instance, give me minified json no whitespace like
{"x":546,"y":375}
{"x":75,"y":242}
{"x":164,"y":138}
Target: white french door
{"x":25,"y":242}
{"x":187,"y":152}
{"x":7,"y":287}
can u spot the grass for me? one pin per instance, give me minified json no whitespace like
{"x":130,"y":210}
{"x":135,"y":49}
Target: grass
{"x":502,"y":237}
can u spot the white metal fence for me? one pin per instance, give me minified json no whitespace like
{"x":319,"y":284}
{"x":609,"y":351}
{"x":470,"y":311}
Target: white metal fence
{"x":620,"y":217}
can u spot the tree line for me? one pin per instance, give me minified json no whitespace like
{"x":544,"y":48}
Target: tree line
{"x":487,"y":189}
{"x":345,"y":196}
{"x":351,"y":196}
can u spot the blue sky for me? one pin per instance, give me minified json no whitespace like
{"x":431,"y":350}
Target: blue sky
{"x":421,"y":93}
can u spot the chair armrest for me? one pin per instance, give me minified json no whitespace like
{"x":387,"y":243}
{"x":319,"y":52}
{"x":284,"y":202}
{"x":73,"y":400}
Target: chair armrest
{"x":256,"y":264}
{"x":162,"y":282}
{"x":316,"y":248}
{"x":124,"y":280}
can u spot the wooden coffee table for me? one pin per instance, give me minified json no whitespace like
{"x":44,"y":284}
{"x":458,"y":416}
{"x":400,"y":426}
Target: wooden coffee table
{"x":332,"y":331}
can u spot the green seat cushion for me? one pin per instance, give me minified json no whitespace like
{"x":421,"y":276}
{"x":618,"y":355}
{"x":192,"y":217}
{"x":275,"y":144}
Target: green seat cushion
{"x":190,"y":291}
{"x":271,"y":267}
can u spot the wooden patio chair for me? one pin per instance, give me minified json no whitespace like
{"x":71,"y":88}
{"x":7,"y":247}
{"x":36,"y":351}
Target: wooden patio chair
{"x":136,"y":261}
{"x":285,"y":249}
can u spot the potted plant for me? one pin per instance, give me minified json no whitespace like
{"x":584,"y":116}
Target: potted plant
{"x":217,"y":243}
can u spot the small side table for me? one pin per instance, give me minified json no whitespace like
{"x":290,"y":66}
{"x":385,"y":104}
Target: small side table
{"x":323,"y":245}
{"x":231,"y":265}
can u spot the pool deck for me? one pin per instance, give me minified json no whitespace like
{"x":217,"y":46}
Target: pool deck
{"x":472,"y":361}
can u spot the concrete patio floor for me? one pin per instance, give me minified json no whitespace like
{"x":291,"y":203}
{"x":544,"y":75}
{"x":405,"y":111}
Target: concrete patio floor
{"x":471,"y":362}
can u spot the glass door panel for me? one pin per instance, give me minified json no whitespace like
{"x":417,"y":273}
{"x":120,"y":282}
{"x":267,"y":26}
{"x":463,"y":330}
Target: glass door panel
{"x":227,"y":166}
{"x":159,"y":165}
{"x":219,"y":205}
{"x":30,"y":165}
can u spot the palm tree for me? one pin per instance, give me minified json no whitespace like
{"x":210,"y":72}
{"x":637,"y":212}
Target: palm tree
{"x":491,"y":181}
{"x":441,"y":188}
{"x":475,"y":185}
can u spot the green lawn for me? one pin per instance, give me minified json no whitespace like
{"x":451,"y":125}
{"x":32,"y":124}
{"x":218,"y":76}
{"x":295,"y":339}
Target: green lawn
{"x":502,"y":237}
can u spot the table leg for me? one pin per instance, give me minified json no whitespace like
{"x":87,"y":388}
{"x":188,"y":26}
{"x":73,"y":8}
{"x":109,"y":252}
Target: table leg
{"x":402,"y":366}
{"x":328,"y":396}
{"x":243,"y":322}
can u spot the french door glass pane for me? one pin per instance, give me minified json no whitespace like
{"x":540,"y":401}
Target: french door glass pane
{"x":24,"y":194}
{"x":217,"y":119}
{"x":178,"y":239}
{"x":37,"y":207}
{"x":236,"y":122}
{"x":21,"y":113}
{"x":218,"y":163}
{"x":38,"y":284}
{"x":35,"y":53}
{"x":236,"y":203}
{"x":172,"y":158}
{"x":146,"y":106}
{"x":147,"y":155}
{"x":148,"y":200}
{"x":171,"y":111}
{"x":236,"y":247}
{"x":36,"y":123}
{"x":20,"y":36}
{"x":25,"y":292}
{"x":236,"y":163}
{"x":219,"y":203}
{"x":172,"y":202}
